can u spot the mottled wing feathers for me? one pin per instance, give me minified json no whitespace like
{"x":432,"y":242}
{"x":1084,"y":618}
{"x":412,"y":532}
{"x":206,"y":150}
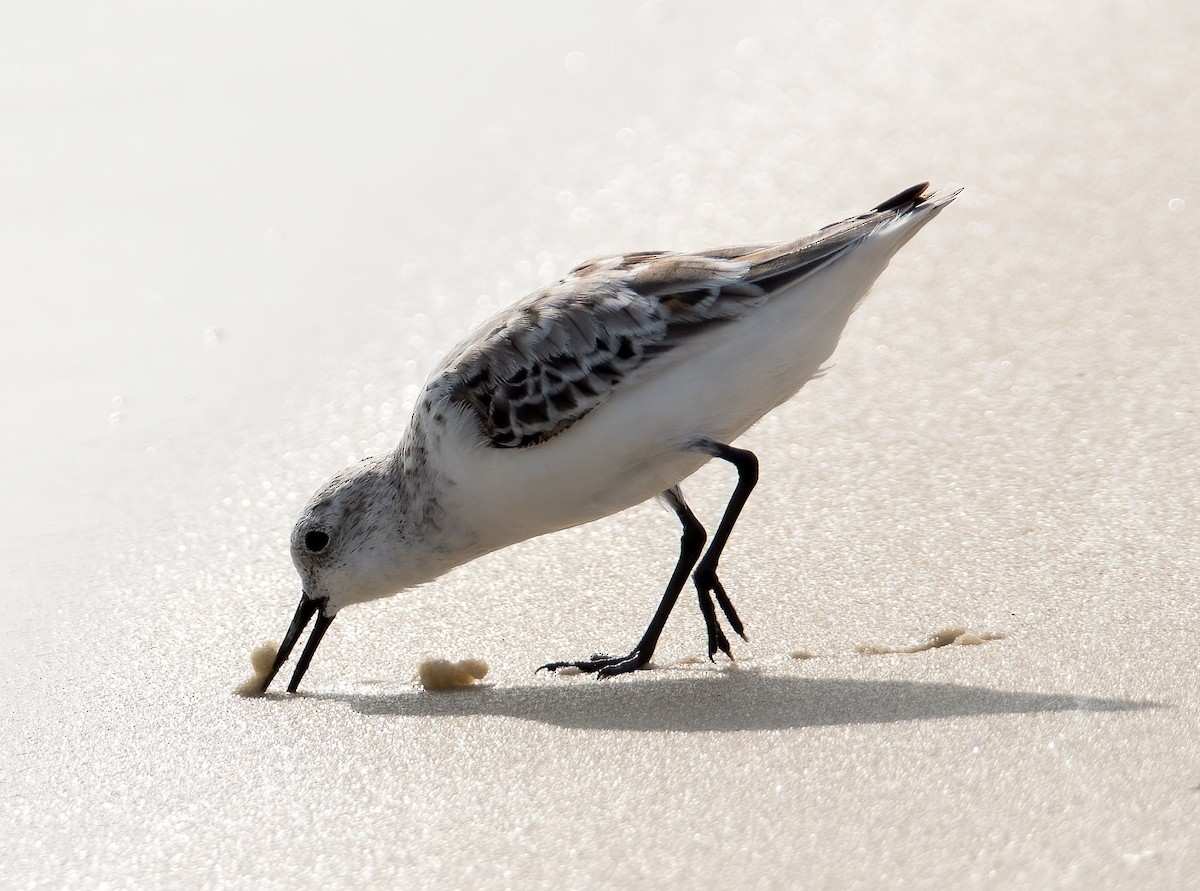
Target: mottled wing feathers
{"x":560,"y":353}
{"x":531,"y":372}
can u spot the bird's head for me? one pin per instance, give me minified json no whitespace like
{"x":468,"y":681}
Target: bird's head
{"x":344,"y":548}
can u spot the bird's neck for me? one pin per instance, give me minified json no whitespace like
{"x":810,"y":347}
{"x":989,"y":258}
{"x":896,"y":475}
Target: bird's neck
{"x":430,"y":540}
{"x":423,"y":484}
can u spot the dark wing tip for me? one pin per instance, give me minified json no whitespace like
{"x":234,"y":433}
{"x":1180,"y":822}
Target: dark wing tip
{"x":909,"y":197}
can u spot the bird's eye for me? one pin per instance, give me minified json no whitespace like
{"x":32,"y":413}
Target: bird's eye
{"x":316,"y":540}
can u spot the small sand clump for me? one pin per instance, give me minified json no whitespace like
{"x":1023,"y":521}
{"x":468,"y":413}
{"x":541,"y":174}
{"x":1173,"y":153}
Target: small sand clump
{"x":875,"y":650}
{"x":442,"y":674}
{"x":956,"y":636}
{"x":261,"y":659}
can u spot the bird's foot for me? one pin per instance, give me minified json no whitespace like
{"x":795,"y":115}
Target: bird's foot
{"x":716,"y":637}
{"x":708,"y":586}
{"x":602,"y":665}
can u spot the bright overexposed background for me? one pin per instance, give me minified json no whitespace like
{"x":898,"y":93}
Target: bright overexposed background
{"x":234,"y":238}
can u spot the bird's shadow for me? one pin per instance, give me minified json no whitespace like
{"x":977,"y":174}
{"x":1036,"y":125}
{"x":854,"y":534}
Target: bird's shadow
{"x":724,"y":702}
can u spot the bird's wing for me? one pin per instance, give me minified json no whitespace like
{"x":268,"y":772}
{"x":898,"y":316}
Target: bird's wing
{"x":535,"y":370}
{"x":531,"y":372}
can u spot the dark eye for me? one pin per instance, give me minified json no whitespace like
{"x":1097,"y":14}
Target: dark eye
{"x":316,"y":540}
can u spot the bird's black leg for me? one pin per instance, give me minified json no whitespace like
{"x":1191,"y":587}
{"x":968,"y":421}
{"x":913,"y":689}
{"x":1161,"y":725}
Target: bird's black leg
{"x":691,"y":546}
{"x":705,"y":575}
{"x":716,"y":637}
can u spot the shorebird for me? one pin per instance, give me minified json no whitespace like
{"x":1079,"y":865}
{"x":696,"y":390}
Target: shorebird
{"x":591,"y":395}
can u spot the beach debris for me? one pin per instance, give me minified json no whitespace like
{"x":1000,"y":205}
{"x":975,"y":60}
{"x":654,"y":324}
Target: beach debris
{"x":261,"y":660}
{"x":953,"y":636}
{"x":437,"y":675}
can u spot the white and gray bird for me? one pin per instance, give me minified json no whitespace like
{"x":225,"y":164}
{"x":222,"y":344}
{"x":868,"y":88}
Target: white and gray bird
{"x":591,"y":395}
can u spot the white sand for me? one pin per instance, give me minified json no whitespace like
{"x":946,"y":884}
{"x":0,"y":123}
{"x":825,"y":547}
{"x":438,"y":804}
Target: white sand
{"x":1007,"y":442}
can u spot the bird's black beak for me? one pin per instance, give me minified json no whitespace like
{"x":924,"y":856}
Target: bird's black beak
{"x":304,"y":612}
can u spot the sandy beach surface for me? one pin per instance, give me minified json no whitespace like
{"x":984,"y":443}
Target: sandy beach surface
{"x":235,"y":241}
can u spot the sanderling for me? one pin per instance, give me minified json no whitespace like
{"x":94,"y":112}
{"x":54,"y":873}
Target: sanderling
{"x":593,"y":394}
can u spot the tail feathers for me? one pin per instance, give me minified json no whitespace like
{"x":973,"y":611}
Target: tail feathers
{"x":777,"y":266}
{"x":917,"y":198}
{"x":909,"y":197}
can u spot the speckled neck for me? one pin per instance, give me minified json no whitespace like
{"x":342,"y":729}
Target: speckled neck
{"x":421,"y":482}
